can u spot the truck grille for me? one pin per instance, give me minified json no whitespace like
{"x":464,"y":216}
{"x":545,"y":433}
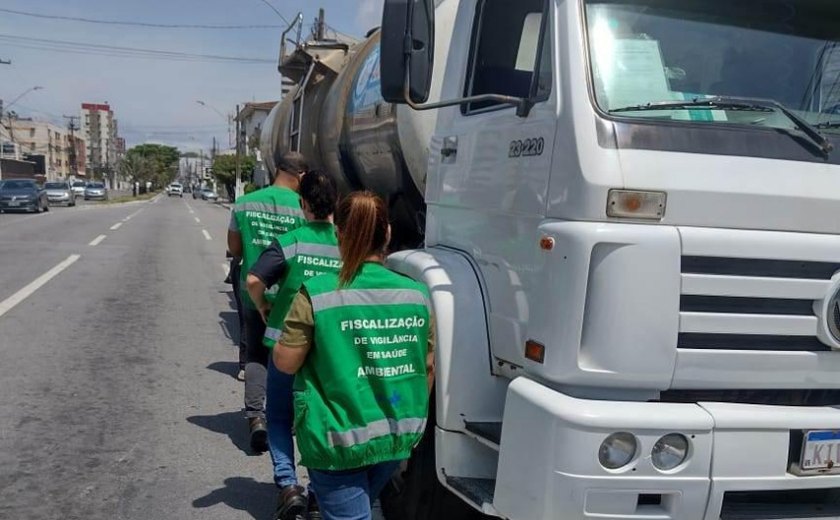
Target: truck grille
{"x":752,"y":304}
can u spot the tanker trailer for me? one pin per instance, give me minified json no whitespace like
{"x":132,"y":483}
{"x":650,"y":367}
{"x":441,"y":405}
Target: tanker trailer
{"x":336,"y":117}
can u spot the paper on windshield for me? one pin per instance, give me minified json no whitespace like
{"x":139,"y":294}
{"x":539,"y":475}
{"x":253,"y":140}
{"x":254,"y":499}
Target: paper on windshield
{"x":639,"y":76}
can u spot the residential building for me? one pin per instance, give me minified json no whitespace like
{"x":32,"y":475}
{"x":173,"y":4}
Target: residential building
{"x":53,"y":142}
{"x":99,"y":126}
{"x":252,"y":117}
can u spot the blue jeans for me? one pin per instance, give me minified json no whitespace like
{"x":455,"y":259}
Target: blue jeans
{"x":348,"y":495}
{"x":279,"y":415}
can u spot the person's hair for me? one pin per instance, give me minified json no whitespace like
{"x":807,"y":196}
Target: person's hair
{"x":291,"y":162}
{"x":319,"y":191}
{"x":362,"y":220}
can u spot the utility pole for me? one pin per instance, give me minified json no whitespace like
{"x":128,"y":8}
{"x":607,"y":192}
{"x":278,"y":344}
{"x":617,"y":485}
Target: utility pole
{"x":74,"y":169}
{"x":238,"y":186}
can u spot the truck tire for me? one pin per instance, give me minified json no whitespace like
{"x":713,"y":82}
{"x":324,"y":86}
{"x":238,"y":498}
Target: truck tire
{"x":416,"y":493}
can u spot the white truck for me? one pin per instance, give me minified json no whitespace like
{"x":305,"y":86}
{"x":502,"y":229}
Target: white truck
{"x":627,"y":213}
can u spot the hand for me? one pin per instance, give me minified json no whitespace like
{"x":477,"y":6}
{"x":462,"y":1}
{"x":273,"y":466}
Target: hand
{"x":265,"y":311}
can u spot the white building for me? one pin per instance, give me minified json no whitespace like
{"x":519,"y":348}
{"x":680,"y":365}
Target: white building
{"x":99,"y":126}
{"x":252,"y":117}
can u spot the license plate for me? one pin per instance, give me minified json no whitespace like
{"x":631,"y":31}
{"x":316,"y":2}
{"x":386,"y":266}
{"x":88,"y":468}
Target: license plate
{"x":14,"y":204}
{"x":821,"y":452}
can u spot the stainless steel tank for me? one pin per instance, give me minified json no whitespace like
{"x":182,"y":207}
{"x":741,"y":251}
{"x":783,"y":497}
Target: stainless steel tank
{"x":350,"y":132}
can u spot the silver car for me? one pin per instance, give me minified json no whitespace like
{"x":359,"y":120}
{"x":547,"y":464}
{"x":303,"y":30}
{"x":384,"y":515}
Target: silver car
{"x":79,"y":188}
{"x":60,"y":193}
{"x":96,"y":191}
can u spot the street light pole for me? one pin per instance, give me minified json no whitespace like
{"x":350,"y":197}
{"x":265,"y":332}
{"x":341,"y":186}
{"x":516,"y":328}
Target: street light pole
{"x":225,"y":117}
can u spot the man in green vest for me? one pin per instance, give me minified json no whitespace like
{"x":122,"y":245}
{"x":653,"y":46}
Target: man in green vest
{"x":293,"y":258}
{"x":256,"y":220}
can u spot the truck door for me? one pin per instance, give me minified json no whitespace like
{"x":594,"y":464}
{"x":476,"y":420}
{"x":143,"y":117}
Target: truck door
{"x":492,"y":166}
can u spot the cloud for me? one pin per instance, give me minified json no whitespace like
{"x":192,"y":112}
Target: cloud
{"x":370,"y":14}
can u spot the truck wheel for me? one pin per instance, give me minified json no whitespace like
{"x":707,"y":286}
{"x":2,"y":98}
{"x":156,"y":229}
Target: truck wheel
{"x":416,"y":493}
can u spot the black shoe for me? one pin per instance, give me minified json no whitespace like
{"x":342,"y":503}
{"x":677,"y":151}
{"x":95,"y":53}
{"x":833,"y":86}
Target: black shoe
{"x":313,"y":511}
{"x":291,"y":503}
{"x":259,"y":435}
{"x":229,"y":280}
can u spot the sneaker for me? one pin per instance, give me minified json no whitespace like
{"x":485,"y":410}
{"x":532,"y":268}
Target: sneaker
{"x":291,"y":503}
{"x":259,"y":434}
{"x":241,"y":375}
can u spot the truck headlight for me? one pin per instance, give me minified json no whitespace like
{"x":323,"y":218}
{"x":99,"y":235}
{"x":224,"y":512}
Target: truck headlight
{"x":618,"y":450}
{"x":669,"y":452}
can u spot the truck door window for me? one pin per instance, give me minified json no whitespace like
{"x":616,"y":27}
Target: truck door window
{"x":510,"y":52}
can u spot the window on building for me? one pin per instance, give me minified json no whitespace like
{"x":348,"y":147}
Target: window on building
{"x":511,"y":52}
{"x":31,"y":132}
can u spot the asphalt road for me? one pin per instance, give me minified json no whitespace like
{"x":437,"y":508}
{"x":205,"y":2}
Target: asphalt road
{"x":117,"y":362}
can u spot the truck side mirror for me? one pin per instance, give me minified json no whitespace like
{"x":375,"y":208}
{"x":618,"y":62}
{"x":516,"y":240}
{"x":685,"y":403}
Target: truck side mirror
{"x":407,"y":50}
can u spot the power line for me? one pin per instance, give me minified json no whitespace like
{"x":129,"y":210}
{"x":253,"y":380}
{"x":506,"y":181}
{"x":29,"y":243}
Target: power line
{"x":266,"y":2}
{"x":126,"y":52}
{"x":137,"y":24}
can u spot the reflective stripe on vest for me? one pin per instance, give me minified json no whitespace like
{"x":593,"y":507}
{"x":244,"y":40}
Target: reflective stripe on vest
{"x":377,"y":429}
{"x":273,"y":334}
{"x":347,"y":297}
{"x":266,"y":207}
{"x":298,"y":248}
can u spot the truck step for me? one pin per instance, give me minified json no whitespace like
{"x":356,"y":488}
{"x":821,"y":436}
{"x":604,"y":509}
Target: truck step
{"x":479,"y":491}
{"x":488,"y":431}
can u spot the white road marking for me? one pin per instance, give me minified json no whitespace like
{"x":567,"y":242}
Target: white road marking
{"x":126,"y":219}
{"x":206,"y":234}
{"x":10,"y":302}
{"x":197,"y":220}
{"x":98,"y":240}
{"x":116,"y":226}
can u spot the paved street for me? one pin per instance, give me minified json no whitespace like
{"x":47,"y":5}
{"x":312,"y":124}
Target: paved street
{"x":117,"y":363}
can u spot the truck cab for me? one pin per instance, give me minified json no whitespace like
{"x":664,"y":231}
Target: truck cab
{"x":632,"y":249}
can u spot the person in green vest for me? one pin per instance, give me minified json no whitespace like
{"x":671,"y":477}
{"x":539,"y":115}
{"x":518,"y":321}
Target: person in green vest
{"x":257,"y":218}
{"x":361,"y":343}
{"x":308,"y":251}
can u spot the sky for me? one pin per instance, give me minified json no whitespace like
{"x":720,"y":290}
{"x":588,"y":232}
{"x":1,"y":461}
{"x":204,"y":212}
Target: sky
{"x":155,"y":100}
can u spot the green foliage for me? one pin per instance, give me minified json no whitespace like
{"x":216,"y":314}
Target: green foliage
{"x":250,"y":188}
{"x":153,"y":163}
{"x":224,"y":168}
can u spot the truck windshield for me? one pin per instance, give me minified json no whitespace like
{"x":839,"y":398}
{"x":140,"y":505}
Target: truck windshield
{"x":648,"y":56}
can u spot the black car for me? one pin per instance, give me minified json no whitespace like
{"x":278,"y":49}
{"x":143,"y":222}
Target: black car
{"x":23,"y":195}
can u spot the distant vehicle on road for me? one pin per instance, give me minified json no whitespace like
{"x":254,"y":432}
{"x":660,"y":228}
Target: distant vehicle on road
{"x":96,"y":191}
{"x":78,"y":188}
{"x":23,"y":195}
{"x":175,"y":189}
{"x":60,"y":193}
{"x":208,"y":194}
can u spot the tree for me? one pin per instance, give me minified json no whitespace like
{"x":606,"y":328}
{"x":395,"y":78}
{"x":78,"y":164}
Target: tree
{"x":155,"y":163}
{"x":224,"y":169}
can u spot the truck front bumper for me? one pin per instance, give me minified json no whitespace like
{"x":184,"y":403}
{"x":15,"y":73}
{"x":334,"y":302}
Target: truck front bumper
{"x":737,"y":466}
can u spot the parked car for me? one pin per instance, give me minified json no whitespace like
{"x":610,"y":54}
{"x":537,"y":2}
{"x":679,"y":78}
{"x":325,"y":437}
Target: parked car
{"x":175,"y":189}
{"x":96,"y":191}
{"x":208,"y":194}
{"x":79,"y":188}
{"x":196,"y":192}
{"x":23,"y":195}
{"x":60,"y":193}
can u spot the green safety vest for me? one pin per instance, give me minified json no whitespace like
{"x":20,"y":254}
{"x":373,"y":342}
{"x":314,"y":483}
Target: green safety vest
{"x":361,"y":397}
{"x":261,"y":216}
{"x":310,"y":251}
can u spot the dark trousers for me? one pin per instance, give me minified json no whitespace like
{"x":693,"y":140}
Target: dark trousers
{"x":257,"y":361}
{"x":235,"y":272}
